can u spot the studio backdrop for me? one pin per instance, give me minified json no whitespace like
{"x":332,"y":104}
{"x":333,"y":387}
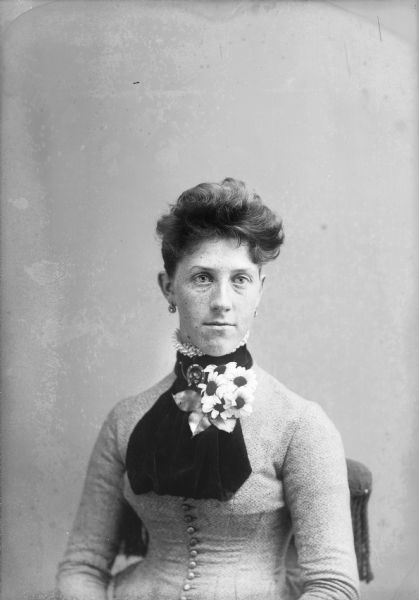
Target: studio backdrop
{"x":109,"y":111}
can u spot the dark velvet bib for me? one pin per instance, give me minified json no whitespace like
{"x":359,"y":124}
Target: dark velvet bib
{"x":164,"y":457}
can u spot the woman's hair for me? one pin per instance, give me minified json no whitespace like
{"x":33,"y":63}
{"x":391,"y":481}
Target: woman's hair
{"x":219,"y":210}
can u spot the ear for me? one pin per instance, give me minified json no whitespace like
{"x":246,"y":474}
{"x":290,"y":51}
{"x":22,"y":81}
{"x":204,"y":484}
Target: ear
{"x":165,"y":284}
{"x":262,"y":281}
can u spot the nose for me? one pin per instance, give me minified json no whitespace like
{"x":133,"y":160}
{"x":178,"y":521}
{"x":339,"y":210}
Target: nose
{"x":221,"y":299}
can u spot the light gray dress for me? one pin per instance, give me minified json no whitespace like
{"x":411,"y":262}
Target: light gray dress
{"x":212,"y":550}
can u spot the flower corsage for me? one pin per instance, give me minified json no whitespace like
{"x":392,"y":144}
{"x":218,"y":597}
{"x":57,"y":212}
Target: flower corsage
{"x":226,"y":394}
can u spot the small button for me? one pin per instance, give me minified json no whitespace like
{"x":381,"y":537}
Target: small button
{"x":188,"y":518}
{"x":186,"y":587}
{"x":192,"y":564}
{"x":193,"y":542}
{"x":183,"y":597}
{"x":186,"y":507}
{"x":193,"y":553}
{"x":191,"y":530}
{"x":191,"y":575}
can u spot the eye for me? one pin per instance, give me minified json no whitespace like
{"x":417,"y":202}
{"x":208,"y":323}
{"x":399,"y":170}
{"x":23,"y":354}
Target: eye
{"x":202,"y":278}
{"x":241,"y":280}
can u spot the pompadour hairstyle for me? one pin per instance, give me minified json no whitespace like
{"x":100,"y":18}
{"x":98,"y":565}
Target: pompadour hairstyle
{"x":219,"y":210}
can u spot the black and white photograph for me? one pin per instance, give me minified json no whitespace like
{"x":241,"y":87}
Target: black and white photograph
{"x":209,"y":296}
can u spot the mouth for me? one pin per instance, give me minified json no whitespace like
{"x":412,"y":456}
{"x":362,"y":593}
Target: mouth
{"x":218,"y":324}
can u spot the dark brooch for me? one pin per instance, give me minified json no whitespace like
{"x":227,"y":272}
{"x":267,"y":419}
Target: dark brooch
{"x":194,"y":375}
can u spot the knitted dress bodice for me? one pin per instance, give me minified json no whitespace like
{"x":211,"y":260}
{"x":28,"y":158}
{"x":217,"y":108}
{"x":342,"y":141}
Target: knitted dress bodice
{"x":222,"y":550}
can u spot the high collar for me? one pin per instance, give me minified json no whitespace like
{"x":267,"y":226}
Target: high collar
{"x":163,"y":455}
{"x":241,"y":356}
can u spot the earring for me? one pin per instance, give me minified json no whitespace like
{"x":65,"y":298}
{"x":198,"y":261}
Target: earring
{"x":172,"y":307}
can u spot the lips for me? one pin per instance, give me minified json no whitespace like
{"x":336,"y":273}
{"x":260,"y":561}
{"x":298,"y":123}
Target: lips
{"x":219,"y":324}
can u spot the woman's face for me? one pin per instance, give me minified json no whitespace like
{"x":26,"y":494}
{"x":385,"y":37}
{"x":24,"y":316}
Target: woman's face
{"x":216,"y":289}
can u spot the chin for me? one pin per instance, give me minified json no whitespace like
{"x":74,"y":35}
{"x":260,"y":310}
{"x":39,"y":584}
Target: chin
{"x":218,"y":347}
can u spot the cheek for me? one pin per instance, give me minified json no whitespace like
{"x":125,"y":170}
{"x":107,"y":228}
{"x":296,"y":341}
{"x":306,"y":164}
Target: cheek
{"x":247,"y":311}
{"x":250,"y":301}
{"x":191,"y":306}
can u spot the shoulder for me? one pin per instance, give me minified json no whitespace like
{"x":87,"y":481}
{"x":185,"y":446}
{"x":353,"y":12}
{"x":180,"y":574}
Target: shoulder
{"x":308,"y":443}
{"x":138,"y":404}
{"x":286,"y":408}
{"x":279,"y":398}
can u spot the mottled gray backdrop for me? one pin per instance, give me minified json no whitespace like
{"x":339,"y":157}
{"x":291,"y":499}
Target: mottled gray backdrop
{"x":109,"y":111}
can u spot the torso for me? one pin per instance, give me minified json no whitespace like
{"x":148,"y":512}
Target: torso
{"x":202,"y":549}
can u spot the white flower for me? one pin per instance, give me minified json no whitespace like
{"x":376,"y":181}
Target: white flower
{"x":216,"y":391}
{"x":243,"y":378}
{"x":240,"y":403}
{"x":212,"y":385}
{"x":215,"y":405}
{"x":220,"y":394}
{"x":226,"y":396}
{"x":226,"y":370}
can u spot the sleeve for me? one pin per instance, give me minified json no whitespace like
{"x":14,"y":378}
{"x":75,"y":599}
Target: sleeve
{"x":84,"y":573}
{"x":317,"y":494}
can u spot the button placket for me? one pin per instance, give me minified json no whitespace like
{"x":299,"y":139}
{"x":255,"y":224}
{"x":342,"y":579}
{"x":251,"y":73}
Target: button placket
{"x":191,"y":530}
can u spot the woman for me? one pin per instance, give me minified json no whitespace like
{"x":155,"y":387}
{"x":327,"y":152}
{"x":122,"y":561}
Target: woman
{"x":221,"y":462}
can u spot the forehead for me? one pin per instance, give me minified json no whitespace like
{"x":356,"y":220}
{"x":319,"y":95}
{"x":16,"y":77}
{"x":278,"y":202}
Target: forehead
{"x":220,"y":254}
